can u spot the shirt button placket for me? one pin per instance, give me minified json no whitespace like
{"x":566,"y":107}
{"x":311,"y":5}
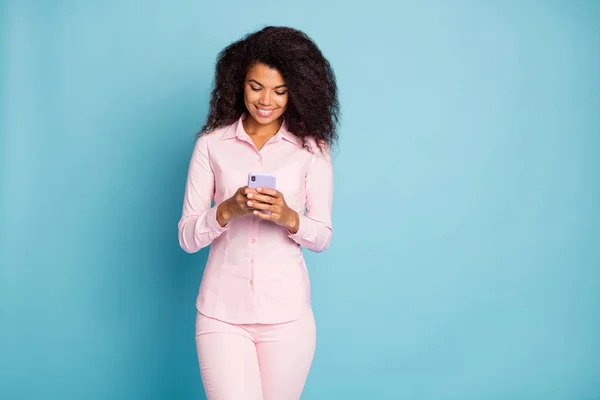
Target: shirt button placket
{"x":252,"y":240}
{"x":254,"y":230}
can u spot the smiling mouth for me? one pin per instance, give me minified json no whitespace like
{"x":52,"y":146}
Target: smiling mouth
{"x":264,"y":112}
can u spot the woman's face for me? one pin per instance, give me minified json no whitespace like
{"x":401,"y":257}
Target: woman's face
{"x":265,"y":94}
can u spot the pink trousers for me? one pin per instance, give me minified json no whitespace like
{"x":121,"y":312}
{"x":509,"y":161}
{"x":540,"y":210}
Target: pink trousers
{"x":255,"y":361}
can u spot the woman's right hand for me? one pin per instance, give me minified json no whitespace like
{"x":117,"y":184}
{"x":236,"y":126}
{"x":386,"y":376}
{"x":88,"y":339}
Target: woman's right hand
{"x":233,"y":207}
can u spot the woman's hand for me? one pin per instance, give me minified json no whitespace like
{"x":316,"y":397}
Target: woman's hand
{"x":273,"y":201}
{"x":233,"y":207}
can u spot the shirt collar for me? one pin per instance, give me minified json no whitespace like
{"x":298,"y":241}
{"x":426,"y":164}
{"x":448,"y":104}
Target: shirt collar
{"x":237,"y":130}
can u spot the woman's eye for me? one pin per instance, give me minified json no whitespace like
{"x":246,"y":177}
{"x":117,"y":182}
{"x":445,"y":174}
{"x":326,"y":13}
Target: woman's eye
{"x":255,"y":89}
{"x":280,"y":93}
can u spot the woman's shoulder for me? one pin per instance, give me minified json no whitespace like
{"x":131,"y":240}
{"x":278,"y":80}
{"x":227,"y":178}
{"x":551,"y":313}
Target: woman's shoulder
{"x":318,"y":149}
{"x":213,"y":136}
{"x":220,"y":132}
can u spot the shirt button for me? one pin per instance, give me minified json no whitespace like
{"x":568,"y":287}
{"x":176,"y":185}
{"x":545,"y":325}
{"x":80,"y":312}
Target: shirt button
{"x":252,"y":260}
{"x":253,"y":240}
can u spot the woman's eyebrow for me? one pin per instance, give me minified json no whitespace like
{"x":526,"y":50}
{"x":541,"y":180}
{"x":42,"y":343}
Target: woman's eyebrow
{"x":260,"y":84}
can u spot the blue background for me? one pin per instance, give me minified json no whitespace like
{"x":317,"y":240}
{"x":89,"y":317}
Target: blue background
{"x":465,"y":262}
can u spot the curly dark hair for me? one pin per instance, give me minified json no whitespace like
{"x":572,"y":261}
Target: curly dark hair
{"x":313,"y":107}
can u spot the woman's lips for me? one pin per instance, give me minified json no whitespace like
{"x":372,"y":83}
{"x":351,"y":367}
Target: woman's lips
{"x":263,"y":112}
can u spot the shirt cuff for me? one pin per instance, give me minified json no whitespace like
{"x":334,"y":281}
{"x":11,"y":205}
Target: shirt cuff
{"x":212,"y":223}
{"x":305,"y":233}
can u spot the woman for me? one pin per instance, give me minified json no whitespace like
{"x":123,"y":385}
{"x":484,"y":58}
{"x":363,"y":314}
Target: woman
{"x":273,"y":109}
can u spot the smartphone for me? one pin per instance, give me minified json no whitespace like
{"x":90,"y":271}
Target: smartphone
{"x":262,"y":180}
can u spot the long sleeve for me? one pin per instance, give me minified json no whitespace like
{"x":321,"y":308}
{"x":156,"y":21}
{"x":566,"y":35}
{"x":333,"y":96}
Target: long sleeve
{"x":315,"y":228}
{"x":198,"y":225}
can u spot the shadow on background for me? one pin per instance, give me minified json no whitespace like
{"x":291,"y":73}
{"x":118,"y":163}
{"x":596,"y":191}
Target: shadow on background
{"x":155,"y":292}
{"x":102,"y":298}
{"x":163,"y":185}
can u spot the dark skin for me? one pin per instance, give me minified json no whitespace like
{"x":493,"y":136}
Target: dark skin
{"x":246,"y":201}
{"x":264,"y":89}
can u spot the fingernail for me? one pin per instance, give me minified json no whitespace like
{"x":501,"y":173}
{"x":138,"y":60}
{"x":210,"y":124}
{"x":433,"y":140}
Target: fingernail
{"x":259,"y":189}
{"x":249,"y":195}
{"x":249,"y":203}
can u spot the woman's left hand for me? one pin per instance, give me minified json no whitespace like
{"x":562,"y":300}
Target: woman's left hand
{"x":273,"y":201}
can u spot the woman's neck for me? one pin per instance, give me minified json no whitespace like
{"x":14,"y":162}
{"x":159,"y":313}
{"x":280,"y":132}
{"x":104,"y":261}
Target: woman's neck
{"x":253,"y":128}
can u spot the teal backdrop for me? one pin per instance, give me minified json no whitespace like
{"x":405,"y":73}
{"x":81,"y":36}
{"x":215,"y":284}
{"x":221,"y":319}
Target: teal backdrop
{"x":465,"y":263}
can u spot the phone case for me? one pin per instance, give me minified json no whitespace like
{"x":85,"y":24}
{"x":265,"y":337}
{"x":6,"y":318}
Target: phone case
{"x":261,"y":180}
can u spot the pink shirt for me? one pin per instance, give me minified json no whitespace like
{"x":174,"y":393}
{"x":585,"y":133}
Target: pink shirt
{"x":255,"y":271}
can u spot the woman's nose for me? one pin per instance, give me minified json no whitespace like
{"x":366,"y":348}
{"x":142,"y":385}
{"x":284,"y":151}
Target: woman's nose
{"x":265,"y":98}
